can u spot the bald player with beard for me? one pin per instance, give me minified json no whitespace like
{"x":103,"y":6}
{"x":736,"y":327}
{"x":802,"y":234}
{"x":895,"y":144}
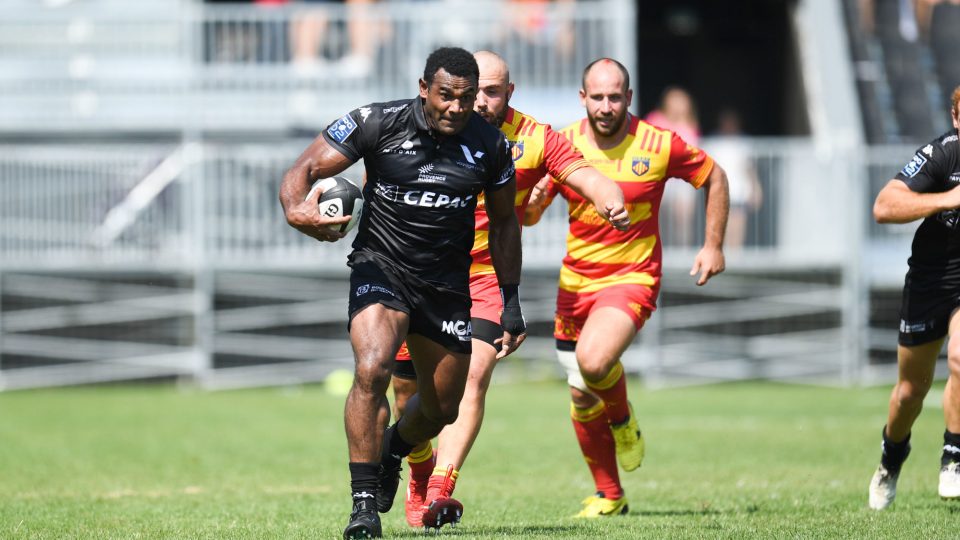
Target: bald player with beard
{"x":610,"y":279}
{"x":537,"y":150}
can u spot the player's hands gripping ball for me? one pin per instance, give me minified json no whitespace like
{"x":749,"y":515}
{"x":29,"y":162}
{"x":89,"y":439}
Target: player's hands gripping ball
{"x":332,"y":207}
{"x":340,"y":198}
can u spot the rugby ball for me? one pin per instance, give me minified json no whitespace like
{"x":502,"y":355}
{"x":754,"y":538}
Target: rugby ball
{"x":340,"y":198}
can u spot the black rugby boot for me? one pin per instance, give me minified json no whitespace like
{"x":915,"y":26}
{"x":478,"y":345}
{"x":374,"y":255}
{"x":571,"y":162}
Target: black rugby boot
{"x":364,"y":520}
{"x":392,"y":452}
{"x":389,"y":476}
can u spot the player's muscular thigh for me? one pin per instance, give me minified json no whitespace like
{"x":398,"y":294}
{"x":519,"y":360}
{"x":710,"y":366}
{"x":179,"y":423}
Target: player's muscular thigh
{"x":607,"y":333}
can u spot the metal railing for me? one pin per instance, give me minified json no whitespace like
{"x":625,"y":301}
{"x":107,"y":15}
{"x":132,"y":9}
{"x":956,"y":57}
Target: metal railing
{"x":139,"y":260}
{"x":89,"y":206}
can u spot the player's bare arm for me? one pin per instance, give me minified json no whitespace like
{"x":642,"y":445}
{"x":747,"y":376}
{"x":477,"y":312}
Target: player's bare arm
{"x":603,"y":192}
{"x":897,"y":203}
{"x":710,"y":260}
{"x":507,"y":261}
{"x":319,"y":160}
{"x":538,"y":203}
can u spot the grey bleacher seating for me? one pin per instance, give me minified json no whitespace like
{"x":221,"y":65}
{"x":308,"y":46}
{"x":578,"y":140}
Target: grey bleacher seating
{"x":945,"y":44}
{"x":905,"y":74}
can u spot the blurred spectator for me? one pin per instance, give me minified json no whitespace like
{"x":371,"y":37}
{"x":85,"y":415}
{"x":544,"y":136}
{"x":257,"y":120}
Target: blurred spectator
{"x":677,"y":112}
{"x":866,"y":19}
{"x":271,"y":34}
{"x":731,"y":150}
{"x":537,"y":31}
{"x":364,"y":31}
{"x":312,"y":50}
{"x":229,"y":40}
{"x":941,"y":18}
{"x":532,"y":20}
{"x":894,"y":23}
{"x":307,"y":30}
{"x":237,"y":37}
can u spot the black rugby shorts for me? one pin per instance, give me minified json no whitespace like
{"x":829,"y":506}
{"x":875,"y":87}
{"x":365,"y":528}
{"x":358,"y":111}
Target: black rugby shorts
{"x":925,"y":314}
{"x":439,"y":314}
{"x":404,"y":369}
{"x":487,"y":331}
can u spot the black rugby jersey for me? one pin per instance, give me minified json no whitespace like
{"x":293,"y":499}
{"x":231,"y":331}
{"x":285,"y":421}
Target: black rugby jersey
{"x":935,"y":255}
{"x":421,"y":189}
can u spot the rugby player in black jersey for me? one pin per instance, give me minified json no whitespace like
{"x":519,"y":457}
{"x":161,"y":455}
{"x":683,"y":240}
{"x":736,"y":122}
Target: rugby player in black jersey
{"x":426,"y":159}
{"x":928,"y":187}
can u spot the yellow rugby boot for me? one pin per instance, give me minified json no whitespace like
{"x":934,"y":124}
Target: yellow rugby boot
{"x":596,"y":506}
{"x":629,"y":441}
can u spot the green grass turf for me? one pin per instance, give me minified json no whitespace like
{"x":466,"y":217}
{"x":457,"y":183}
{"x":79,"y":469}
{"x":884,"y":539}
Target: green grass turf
{"x":749,"y":460}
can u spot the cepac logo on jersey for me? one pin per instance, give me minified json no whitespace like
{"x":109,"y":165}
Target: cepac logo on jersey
{"x":912,"y":168}
{"x":462,"y":329}
{"x":431,"y":199}
{"x":640,"y":165}
{"x":516,"y":150}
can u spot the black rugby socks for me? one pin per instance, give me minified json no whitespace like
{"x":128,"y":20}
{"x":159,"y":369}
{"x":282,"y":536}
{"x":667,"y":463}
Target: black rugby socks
{"x":951,"y":448}
{"x":363,"y":480}
{"x":894,"y":453}
{"x":394,"y":447}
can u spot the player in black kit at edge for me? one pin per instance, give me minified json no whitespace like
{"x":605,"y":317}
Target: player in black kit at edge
{"x":928,"y":187}
{"x":427,"y":159}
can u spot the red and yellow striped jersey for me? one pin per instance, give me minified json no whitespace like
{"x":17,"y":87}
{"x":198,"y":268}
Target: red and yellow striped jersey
{"x":599,"y":255}
{"x":537,"y":150}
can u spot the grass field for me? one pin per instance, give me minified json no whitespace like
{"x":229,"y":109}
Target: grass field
{"x":748,"y":460}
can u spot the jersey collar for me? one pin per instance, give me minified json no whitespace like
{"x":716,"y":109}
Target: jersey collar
{"x":508,"y":118}
{"x":419,"y":119}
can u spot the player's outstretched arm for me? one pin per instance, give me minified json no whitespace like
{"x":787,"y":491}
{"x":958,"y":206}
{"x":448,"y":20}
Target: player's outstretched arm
{"x":710,"y":260}
{"x":603,"y":192}
{"x":507,"y":261}
{"x":540,"y":199}
{"x":319,"y":160}
{"x":897,"y":203}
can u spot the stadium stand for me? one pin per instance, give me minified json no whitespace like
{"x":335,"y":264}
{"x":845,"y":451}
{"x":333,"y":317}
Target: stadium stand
{"x":140,"y":235}
{"x":905,"y":63}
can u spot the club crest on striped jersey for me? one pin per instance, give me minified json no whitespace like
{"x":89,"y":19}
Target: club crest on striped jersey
{"x":516,"y":150}
{"x":640,"y":165}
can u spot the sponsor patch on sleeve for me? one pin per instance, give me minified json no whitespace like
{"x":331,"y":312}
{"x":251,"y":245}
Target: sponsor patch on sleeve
{"x":507,"y":174}
{"x":342,"y":128}
{"x":914,"y":166}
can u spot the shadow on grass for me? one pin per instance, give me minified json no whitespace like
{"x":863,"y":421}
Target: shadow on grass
{"x":519,"y":531}
{"x":665,"y":513}
{"x":568,"y":529}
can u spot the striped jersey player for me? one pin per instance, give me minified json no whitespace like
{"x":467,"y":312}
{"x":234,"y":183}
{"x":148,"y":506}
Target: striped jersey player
{"x":610,"y":278}
{"x":599,"y":258}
